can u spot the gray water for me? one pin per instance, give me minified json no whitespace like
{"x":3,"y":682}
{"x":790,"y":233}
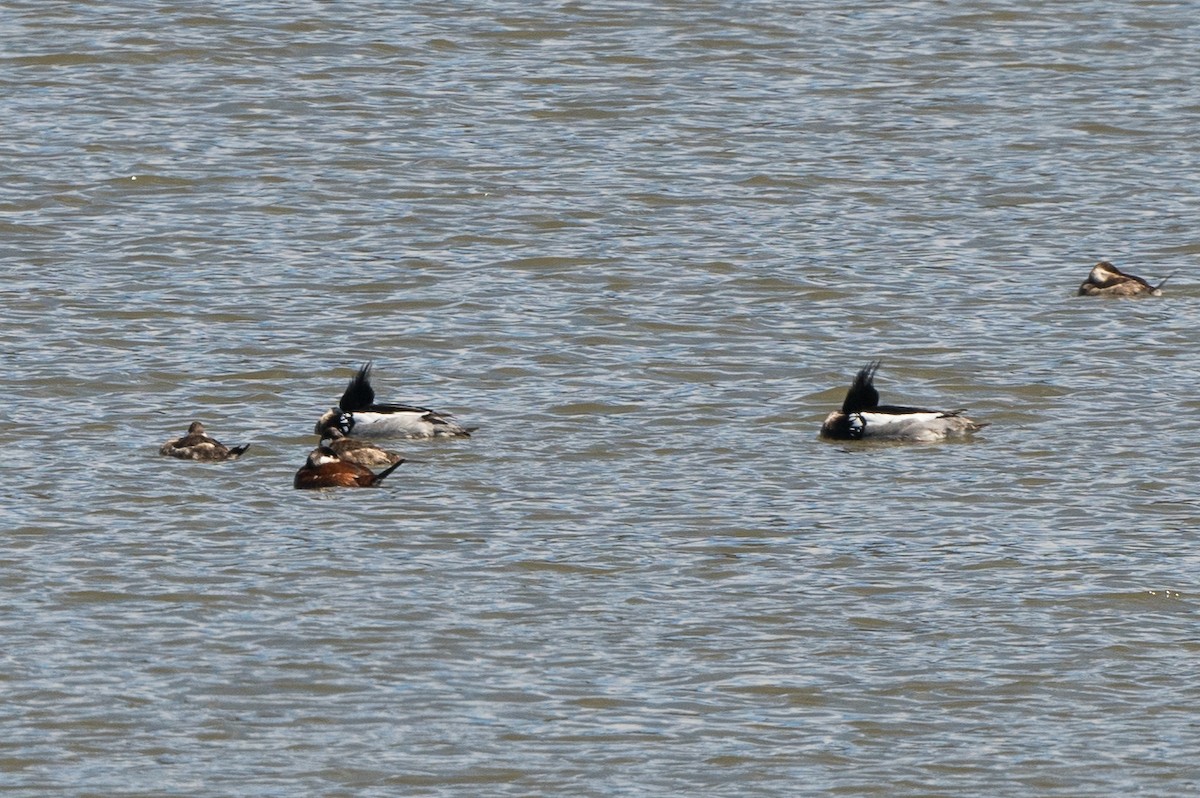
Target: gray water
{"x":643,"y":247}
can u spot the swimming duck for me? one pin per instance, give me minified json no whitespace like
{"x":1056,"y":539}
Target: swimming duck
{"x":196,"y":445}
{"x":357,"y":412}
{"x":324,"y":469}
{"x":354,"y":450}
{"x":862,"y":417}
{"x":1107,"y":280}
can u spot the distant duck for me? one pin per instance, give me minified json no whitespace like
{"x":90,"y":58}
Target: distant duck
{"x":863,"y":418}
{"x":1107,"y":280}
{"x":196,"y":445}
{"x":358,"y":414}
{"x":355,"y":450}
{"x":324,"y":469}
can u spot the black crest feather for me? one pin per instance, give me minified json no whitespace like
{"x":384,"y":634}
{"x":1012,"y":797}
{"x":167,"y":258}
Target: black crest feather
{"x":359,"y":394}
{"x":862,"y":394}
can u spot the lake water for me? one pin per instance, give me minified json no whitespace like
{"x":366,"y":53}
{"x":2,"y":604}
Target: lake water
{"x":643,"y":247}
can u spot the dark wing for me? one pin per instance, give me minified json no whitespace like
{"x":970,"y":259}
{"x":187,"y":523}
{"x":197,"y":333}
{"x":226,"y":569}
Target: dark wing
{"x":1118,"y":279}
{"x":862,"y":394}
{"x":359,"y":394}
{"x":390,"y":408}
{"x":194,"y":439}
{"x":896,"y":410}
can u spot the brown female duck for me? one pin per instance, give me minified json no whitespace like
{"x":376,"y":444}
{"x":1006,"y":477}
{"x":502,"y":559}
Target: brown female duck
{"x":197,"y":445}
{"x":1107,"y":280}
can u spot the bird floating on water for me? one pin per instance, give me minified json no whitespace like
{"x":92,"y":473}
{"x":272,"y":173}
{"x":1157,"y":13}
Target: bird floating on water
{"x":197,"y":445}
{"x":356,"y":450}
{"x":1107,"y":280}
{"x":324,"y":469}
{"x":357,"y":413}
{"x":863,"y":418}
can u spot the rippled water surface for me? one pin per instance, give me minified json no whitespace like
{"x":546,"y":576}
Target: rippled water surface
{"x":643,"y":247}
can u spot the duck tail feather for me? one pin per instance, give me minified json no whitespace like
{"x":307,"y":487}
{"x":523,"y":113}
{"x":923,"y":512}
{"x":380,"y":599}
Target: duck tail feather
{"x":379,"y":477}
